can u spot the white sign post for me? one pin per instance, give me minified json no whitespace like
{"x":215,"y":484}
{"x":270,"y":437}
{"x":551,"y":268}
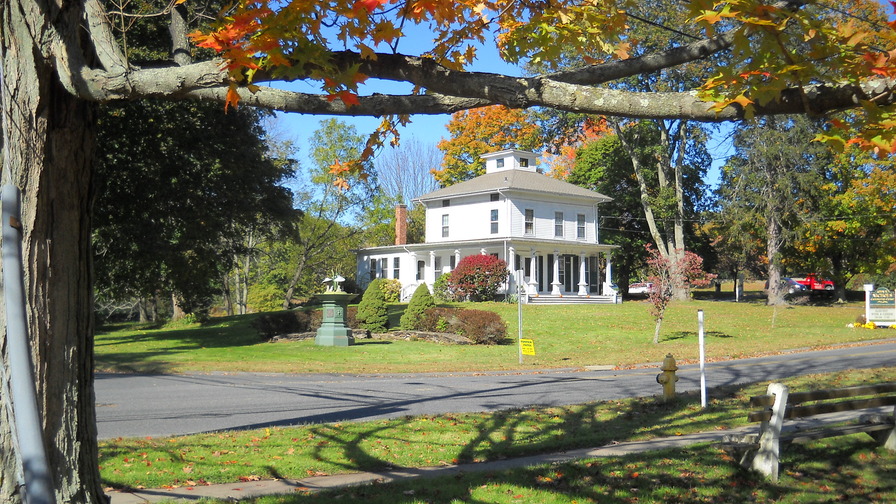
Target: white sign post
{"x":701,"y":342}
{"x":519,"y":311}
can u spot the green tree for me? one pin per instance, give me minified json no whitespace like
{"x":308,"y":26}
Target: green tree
{"x":176,"y":221}
{"x":603,"y":166}
{"x":849,"y":227}
{"x":420,"y":302}
{"x":329,"y":226}
{"x":668,"y":157}
{"x":373,"y":313}
{"x":766,"y":184}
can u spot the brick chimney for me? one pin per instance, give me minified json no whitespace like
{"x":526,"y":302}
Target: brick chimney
{"x":401,"y":225}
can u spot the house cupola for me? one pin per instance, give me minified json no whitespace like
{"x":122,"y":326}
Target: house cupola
{"x":510,"y":159}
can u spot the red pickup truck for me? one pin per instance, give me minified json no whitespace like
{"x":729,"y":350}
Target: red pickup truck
{"x":812,"y":282}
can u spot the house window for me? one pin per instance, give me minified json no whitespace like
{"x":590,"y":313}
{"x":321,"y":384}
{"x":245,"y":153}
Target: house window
{"x":530,"y":222}
{"x":524,"y":162}
{"x":558,"y":224}
{"x":396,"y":269}
{"x":500,"y":163}
{"x":446,"y":203}
{"x":421,"y":267}
{"x":452,"y":262}
{"x":493,"y":197}
{"x":384,"y":267}
{"x":372,"y":271}
{"x":580,"y":226}
{"x":445,"y":226}
{"x":494,"y":222}
{"x":438,"y":265}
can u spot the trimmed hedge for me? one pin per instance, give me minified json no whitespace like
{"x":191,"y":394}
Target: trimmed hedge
{"x":280,"y":323}
{"x":284,"y":322}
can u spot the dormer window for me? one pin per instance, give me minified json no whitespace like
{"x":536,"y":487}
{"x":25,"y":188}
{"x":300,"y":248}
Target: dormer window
{"x":524,"y":162}
{"x":500,"y":163}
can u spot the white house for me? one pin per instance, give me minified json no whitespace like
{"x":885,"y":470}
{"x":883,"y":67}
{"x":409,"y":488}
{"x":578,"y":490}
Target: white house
{"x":546,"y":227}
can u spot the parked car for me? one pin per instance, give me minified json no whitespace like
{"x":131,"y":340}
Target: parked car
{"x":642,"y":288}
{"x":792,"y":286}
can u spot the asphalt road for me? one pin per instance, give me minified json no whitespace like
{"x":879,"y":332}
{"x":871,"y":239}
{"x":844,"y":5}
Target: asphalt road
{"x":162,"y":405}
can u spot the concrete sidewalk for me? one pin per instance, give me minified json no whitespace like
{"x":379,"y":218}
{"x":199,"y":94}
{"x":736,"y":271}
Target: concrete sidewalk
{"x":244,"y":490}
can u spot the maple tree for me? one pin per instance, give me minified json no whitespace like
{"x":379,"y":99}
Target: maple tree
{"x":480,"y":131}
{"x":61,"y":58}
{"x":669,"y":273}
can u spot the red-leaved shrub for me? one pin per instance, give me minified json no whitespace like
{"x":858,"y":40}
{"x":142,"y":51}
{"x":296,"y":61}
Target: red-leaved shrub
{"x":478,"y":277}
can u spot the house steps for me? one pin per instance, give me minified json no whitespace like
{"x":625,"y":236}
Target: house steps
{"x":546,"y":299}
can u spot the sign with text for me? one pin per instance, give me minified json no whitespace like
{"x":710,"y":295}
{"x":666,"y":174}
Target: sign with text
{"x":527,"y":347}
{"x":882,"y":306}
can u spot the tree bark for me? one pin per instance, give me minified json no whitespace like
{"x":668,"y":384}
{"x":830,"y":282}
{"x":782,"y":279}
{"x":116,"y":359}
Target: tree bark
{"x":49,"y":148}
{"x":773,"y":249}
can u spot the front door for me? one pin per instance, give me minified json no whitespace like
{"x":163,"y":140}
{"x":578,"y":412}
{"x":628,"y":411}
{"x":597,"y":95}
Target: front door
{"x":569,"y":273}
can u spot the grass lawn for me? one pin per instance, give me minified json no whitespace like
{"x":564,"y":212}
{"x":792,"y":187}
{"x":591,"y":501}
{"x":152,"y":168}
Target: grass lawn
{"x":851,"y":469}
{"x":564,"y":336}
{"x":844,"y":470}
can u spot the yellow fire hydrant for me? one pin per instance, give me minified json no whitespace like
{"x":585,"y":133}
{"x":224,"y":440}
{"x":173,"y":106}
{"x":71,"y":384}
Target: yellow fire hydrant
{"x":667,"y":378}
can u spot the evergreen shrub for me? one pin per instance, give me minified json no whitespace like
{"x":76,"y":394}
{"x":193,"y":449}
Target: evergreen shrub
{"x":373,"y":314}
{"x":420,"y":302}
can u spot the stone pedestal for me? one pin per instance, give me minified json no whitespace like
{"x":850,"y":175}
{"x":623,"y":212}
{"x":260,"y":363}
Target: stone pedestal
{"x":333,"y":330}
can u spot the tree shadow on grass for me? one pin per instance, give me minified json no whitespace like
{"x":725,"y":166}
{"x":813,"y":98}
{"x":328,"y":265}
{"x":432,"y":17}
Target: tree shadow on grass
{"x":680,"y":335}
{"x":848,"y":469}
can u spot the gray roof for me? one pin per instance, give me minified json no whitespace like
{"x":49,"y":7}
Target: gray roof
{"x":515,"y":180}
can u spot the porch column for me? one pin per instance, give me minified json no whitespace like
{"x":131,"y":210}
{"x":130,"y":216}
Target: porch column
{"x":432,"y":266}
{"x":555,"y":284}
{"x":608,"y":280}
{"x":533,"y":282}
{"x":511,"y":269}
{"x":583,"y":275}
{"x":483,"y":251}
{"x":456,"y":257}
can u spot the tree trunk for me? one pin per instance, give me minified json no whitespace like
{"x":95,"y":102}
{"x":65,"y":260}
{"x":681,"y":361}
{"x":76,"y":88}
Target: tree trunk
{"x":49,"y":141}
{"x":775,"y":289}
{"x":143,"y":308}
{"x":291,"y":288}
{"x":226,"y":294}
{"x":177,"y":311}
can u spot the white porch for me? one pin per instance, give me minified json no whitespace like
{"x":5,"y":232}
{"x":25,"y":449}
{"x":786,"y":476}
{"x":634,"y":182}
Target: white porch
{"x":560,"y":272}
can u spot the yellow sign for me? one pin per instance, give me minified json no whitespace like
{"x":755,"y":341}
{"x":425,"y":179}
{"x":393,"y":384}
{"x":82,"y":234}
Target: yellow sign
{"x":527,"y":347}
